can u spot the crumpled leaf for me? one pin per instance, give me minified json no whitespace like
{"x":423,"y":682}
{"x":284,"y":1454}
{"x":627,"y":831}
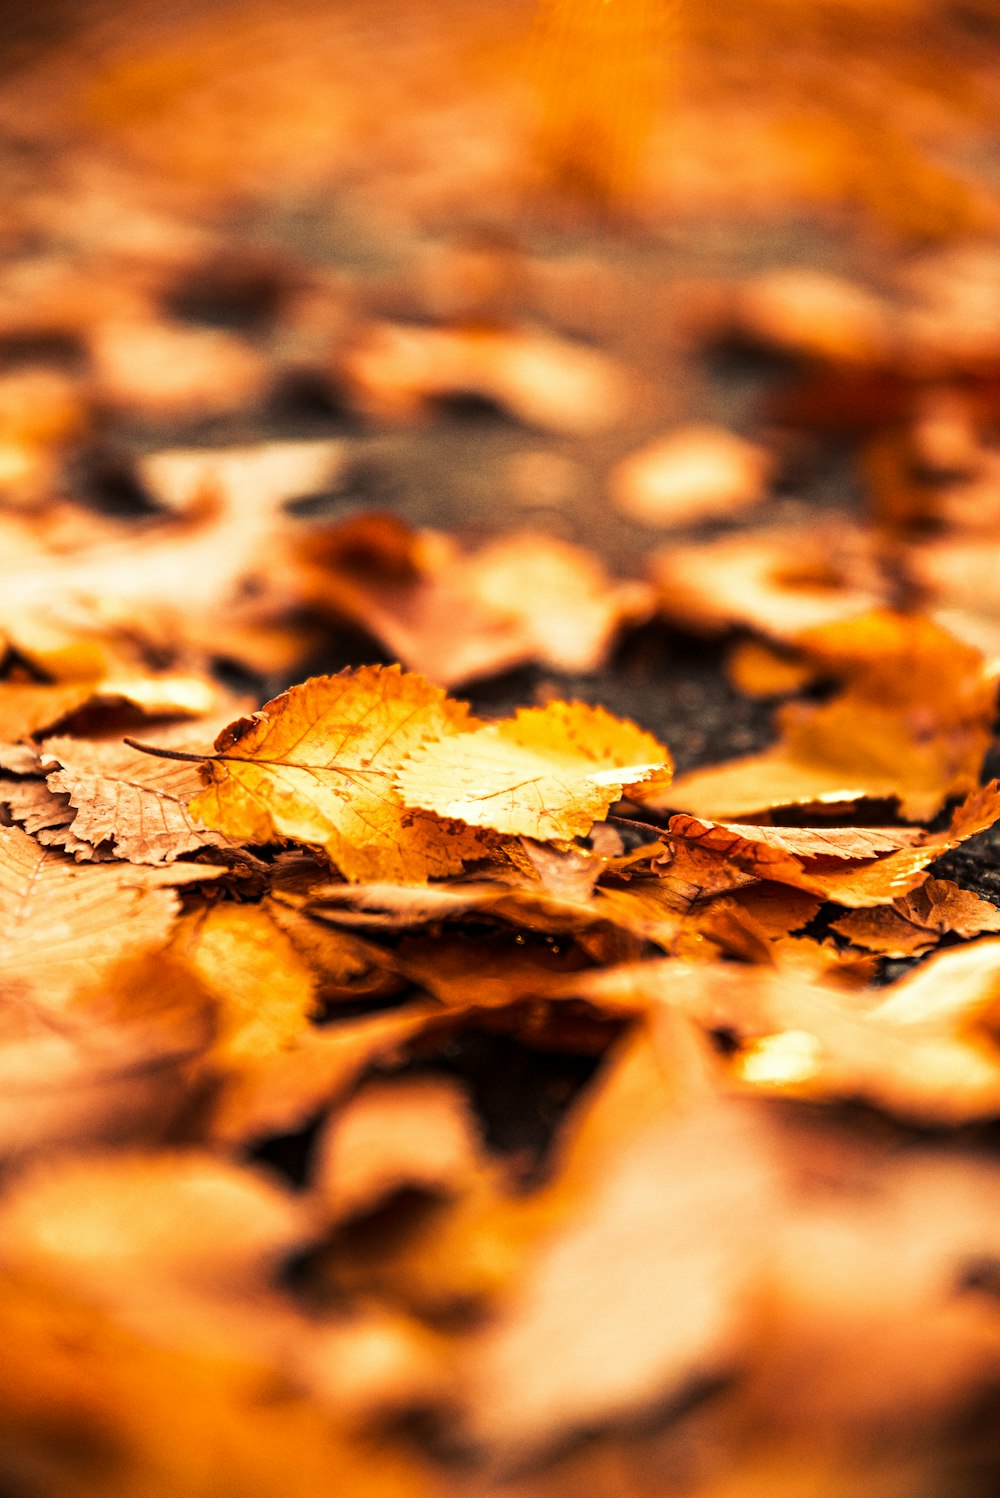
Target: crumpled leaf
{"x":316,"y":765}
{"x":822,"y":862}
{"x":46,"y":815}
{"x":134,"y":803}
{"x":915,"y":923}
{"x":898,"y":873}
{"x":767,"y":851}
{"x":549,"y":772}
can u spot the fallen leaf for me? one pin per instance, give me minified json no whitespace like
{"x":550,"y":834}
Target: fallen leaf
{"x":413,"y":1133}
{"x":279,"y":1092}
{"x":757,"y":670}
{"x":547,"y":773}
{"x":63,"y":924}
{"x":46,"y":815}
{"x":394,"y":371}
{"x":265,"y":994}
{"x":793,"y":1034}
{"x":779,"y":583}
{"x":815,"y":314}
{"x":134,"y":803}
{"x":665,"y":1290}
{"x":694,"y":474}
{"x":167,"y":372}
{"x":316,"y":765}
{"x":118,"y":1062}
{"x":526,"y":597}
{"x":878,"y":737}
{"x":915,"y":923}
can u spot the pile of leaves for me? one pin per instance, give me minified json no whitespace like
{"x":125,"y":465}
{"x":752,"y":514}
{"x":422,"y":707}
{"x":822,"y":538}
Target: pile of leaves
{"x":415,"y":1083}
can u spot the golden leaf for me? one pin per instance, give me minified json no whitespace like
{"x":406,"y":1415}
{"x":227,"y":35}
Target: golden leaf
{"x":549,"y":772}
{"x":879,"y":737}
{"x":264,"y":992}
{"x":315,"y":765}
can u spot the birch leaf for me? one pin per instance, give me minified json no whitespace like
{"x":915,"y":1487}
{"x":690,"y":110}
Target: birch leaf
{"x":548,"y":772}
{"x":316,"y":765}
{"x":121,"y":796}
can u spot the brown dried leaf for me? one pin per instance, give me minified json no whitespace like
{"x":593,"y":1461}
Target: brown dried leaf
{"x":768,"y":851}
{"x":62,"y":924}
{"x":898,"y":873}
{"x":914,"y":923}
{"x":46,"y":816}
{"x":223,"y":562}
{"x":129,"y":799}
{"x":486,"y":971}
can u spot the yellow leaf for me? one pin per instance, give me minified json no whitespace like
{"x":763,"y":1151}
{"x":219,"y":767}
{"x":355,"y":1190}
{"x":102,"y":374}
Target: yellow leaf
{"x":315,"y":765}
{"x":264,"y":990}
{"x":880,"y":736}
{"x":549,"y":772}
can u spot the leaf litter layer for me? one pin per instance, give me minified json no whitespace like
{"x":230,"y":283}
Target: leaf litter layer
{"x":409,"y":1086}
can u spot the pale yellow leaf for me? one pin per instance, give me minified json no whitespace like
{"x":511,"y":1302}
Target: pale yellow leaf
{"x":549,"y":772}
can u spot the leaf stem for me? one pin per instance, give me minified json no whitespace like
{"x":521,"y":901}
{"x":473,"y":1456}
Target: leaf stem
{"x":196,"y":759}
